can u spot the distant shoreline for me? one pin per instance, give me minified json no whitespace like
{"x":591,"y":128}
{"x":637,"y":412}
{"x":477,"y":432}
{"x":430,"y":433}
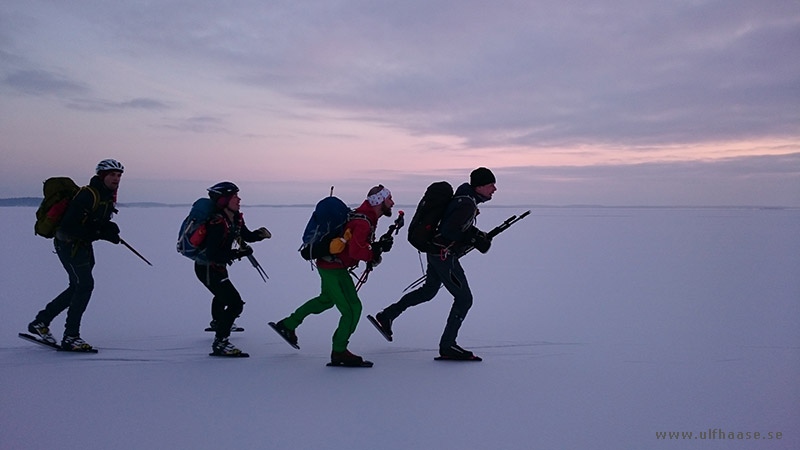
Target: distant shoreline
{"x":35,"y":201}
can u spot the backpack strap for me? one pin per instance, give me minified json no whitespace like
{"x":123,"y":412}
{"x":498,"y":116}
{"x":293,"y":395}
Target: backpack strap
{"x":446,"y":245}
{"x":95,"y":196}
{"x":355,"y":215}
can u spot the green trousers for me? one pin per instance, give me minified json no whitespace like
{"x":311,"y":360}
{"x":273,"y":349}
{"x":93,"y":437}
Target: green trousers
{"x":337,"y":290}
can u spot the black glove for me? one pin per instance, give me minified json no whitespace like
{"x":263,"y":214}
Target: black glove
{"x":384,"y":244}
{"x":376,"y":258}
{"x":481,"y":241}
{"x":242,"y":252}
{"x":110,"y":232}
{"x":262,"y":233}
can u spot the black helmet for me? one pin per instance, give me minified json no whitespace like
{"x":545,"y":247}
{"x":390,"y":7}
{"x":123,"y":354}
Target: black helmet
{"x":223,"y":189}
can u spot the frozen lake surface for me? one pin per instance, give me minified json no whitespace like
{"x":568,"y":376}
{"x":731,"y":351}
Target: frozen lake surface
{"x":599,"y":328}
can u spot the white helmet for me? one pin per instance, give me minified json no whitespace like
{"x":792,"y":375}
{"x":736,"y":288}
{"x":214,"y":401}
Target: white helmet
{"x":109,"y":164}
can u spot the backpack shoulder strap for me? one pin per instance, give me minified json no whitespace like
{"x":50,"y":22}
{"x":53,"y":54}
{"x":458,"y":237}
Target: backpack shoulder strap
{"x":95,"y":195}
{"x":458,"y":197}
{"x":355,"y":215}
{"x":215,"y":219}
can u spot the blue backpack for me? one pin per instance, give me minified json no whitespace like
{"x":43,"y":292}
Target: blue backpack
{"x":192,"y":234}
{"x":326,"y":224}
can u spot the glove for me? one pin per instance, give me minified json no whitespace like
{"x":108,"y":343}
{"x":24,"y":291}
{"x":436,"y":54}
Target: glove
{"x":110,"y":232}
{"x":242,"y":252}
{"x":481,"y":241}
{"x":384,"y":244}
{"x":262,"y":233}
{"x":376,"y":258}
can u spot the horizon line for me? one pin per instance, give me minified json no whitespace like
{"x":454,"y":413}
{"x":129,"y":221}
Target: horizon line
{"x":35,"y":201}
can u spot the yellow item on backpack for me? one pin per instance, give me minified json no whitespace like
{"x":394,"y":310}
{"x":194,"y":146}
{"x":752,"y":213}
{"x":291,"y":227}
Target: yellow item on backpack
{"x":338,"y":244}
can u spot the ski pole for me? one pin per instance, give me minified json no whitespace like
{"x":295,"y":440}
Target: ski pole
{"x":254,"y":261}
{"x":416,"y":283}
{"x":502,"y":227}
{"x":393,"y":228}
{"x":122,"y":241}
{"x":492,"y":233}
{"x":258,"y":267}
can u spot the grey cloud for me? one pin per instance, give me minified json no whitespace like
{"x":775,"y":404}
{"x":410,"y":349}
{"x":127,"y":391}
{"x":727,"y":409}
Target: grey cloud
{"x":198,"y":124}
{"x":143,"y":103}
{"x":517,"y":73}
{"x":646,"y":76}
{"x":40,"y":82}
{"x":87,"y":104}
{"x":740,"y":181}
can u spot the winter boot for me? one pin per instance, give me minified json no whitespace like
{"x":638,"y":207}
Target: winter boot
{"x":40,"y":330}
{"x":455,"y":352}
{"x":75,"y":344}
{"x":222,"y":347}
{"x":383,"y":324}
{"x":348,"y":359}
{"x":289,"y":335}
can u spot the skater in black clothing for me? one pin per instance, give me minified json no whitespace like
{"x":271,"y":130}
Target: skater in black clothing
{"x":225,"y":227}
{"x":456,"y":234}
{"x":86,"y":219}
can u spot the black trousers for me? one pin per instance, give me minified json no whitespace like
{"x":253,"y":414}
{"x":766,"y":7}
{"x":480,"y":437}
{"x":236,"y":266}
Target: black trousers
{"x":78,"y":261}
{"x":227,"y":304}
{"x":447,"y":272}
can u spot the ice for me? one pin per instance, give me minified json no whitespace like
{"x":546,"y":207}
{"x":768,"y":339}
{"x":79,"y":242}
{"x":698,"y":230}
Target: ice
{"x":599,"y":328}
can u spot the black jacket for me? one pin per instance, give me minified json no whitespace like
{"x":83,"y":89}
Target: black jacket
{"x":89,"y":213}
{"x":221,"y":234}
{"x":457,"y":228}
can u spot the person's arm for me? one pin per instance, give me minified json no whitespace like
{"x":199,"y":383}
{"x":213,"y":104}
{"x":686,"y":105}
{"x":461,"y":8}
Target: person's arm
{"x":359,"y":246}
{"x":75,"y":225}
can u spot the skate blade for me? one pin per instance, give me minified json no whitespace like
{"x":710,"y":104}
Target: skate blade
{"x":377,"y":326}
{"x":275,"y":327}
{"x":91,"y":350}
{"x":56,"y":346}
{"x":448,"y":358}
{"x":232,"y":355}
{"x":341,"y":364}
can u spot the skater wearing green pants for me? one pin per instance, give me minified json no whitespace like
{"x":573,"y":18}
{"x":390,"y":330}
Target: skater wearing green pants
{"x":337,"y":285}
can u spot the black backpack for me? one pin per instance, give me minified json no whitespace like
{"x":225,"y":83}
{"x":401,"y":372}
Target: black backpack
{"x":427,"y":216}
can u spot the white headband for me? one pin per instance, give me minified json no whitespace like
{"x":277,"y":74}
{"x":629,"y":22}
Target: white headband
{"x":378,"y":198}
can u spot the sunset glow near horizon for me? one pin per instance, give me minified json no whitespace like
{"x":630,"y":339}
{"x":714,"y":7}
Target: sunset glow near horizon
{"x":675,"y":104}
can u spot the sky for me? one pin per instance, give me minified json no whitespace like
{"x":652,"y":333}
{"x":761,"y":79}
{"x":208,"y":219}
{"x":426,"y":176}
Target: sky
{"x":613,"y":103}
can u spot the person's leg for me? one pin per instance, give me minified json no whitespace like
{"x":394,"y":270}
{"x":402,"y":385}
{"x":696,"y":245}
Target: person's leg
{"x":70,"y":262}
{"x":316,"y":305}
{"x":422,"y":294}
{"x":227,"y":301}
{"x":456,"y":283}
{"x":349,"y":305}
{"x":79,"y":262}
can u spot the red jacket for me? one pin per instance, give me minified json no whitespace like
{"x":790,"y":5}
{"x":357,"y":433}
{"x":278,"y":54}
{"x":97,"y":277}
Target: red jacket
{"x":358,"y":248}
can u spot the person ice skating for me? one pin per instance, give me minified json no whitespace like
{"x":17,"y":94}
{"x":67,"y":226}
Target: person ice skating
{"x":456,"y":234}
{"x":87,"y":219}
{"x":224,"y":227}
{"x":338,"y":288}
